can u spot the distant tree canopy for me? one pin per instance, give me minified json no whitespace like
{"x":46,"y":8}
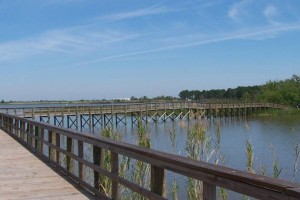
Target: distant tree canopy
{"x":286,"y":91}
{"x":240,"y":93}
{"x":283,"y":91}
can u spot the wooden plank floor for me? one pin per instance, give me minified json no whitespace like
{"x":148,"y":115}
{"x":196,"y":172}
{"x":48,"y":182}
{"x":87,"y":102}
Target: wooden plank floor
{"x":24,"y":176}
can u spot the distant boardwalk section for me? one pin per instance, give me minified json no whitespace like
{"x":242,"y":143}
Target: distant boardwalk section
{"x":23,"y":176}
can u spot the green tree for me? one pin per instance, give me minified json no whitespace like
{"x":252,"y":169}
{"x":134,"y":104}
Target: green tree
{"x":185,"y":94}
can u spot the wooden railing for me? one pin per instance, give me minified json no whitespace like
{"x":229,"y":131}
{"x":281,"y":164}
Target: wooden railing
{"x":37,"y":136}
{"x":131,"y":107}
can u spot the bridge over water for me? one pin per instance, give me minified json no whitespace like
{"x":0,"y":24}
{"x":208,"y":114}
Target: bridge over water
{"x":79,"y":117}
{"x":37,"y":136}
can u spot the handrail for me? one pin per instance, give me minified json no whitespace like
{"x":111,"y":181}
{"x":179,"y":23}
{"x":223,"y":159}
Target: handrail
{"x":135,"y":107}
{"x":32,"y":134}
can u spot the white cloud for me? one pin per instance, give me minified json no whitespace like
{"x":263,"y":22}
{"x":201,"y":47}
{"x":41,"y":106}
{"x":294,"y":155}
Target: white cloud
{"x":257,"y":34}
{"x":270,"y":12}
{"x":154,"y":10}
{"x":238,"y":10}
{"x":68,"y":41}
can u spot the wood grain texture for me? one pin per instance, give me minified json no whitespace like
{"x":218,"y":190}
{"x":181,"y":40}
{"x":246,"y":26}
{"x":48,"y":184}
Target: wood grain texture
{"x":23,"y":176}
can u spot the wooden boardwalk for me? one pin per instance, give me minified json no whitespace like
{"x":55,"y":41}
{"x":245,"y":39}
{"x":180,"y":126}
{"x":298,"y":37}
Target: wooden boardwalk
{"x":24,"y":176}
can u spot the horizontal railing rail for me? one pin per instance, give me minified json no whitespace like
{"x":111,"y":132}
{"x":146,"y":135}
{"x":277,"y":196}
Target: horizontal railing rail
{"x":37,"y":135}
{"x":131,"y":107}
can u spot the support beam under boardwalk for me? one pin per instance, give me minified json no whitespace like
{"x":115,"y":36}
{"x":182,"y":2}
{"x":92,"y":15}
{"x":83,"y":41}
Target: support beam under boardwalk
{"x":24,"y":176}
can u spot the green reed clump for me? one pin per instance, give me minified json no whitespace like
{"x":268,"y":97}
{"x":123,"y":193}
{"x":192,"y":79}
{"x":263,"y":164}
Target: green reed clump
{"x":174,"y":190}
{"x":276,"y":168}
{"x":262,"y":170}
{"x":201,"y":147}
{"x":296,"y":156}
{"x":105,"y":182}
{"x":197,"y":146}
{"x":219,"y":157}
{"x":250,"y":157}
{"x":141,"y":173}
{"x":174,"y":185}
{"x":172,"y":136}
{"x":223,"y":194}
{"x":197,"y":142}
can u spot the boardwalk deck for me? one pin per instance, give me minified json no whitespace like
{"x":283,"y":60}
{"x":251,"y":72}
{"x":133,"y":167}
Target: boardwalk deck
{"x":24,"y":176}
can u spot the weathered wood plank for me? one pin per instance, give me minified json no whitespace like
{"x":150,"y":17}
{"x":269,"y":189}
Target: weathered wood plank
{"x":26,"y":177}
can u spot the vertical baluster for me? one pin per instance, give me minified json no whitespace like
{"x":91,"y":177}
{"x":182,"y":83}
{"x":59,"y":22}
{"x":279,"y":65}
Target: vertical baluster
{"x":158,"y":185}
{"x":114,"y":170}
{"x":80,"y":155}
{"x":69,"y":149}
{"x":209,"y":191}
{"x":98,"y":157}
{"x":57,"y":143}
{"x":41,"y":136}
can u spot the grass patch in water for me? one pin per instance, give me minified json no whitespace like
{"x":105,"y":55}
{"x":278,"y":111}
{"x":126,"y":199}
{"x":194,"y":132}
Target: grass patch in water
{"x":275,"y":113}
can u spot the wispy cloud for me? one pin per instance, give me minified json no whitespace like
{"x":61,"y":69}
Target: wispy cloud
{"x":237,"y":10}
{"x":270,"y":12}
{"x":262,"y":33}
{"x":153,"y":10}
{"x":65,"y":41}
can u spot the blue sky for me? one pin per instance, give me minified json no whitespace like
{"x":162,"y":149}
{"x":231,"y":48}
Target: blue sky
{"x":91,"y":49}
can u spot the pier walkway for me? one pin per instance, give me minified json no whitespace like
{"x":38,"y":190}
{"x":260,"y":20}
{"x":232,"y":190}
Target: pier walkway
{"x":23,"y":176}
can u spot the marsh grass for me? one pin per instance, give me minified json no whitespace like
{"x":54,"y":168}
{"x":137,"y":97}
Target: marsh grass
{"x":105,"y":182}
{"x":201,"y":147}
{"x":174,"y":185}
{"x":250,"y":157}
{"x":140,"y":171}
{"x":296,"y":158}
{"x":274,"y":112}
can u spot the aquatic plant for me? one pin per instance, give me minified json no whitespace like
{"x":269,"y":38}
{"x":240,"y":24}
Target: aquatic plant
{"x":105,"y":182}
{"x":296,"y":156}
{"x":262,"y":169}
{"x":174,"y":185}
{"x":141,"y":171}
{"x":250,"y":156}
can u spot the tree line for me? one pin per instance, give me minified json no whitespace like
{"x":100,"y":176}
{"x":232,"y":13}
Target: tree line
{"x":282,"y":91}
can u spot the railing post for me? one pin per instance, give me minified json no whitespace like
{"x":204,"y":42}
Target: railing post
{"x":16,"y":127}
{"x":158,"y":180}
{"x":32,"y":114}
{"x":1,"y":121}
{"x":80,"y":155}
{"x":69,"y":149}
{"x":32,"y":134}
{"x":146,"y":113}
{"x":90,"y":120}
{"x":36,"y":139}
{"x":41,"y":136}
{"x":29,"y":138}
{"x":22,"y":130}
{"x":49,"y":147}
{"x":209,"y":191}
{"x":98,"y":154}
{"x":57,"y":144}
{"x":114,"y":170}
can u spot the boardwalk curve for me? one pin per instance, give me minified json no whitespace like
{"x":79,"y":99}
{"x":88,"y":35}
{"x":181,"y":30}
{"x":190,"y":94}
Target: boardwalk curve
{"x":24,"y":176}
